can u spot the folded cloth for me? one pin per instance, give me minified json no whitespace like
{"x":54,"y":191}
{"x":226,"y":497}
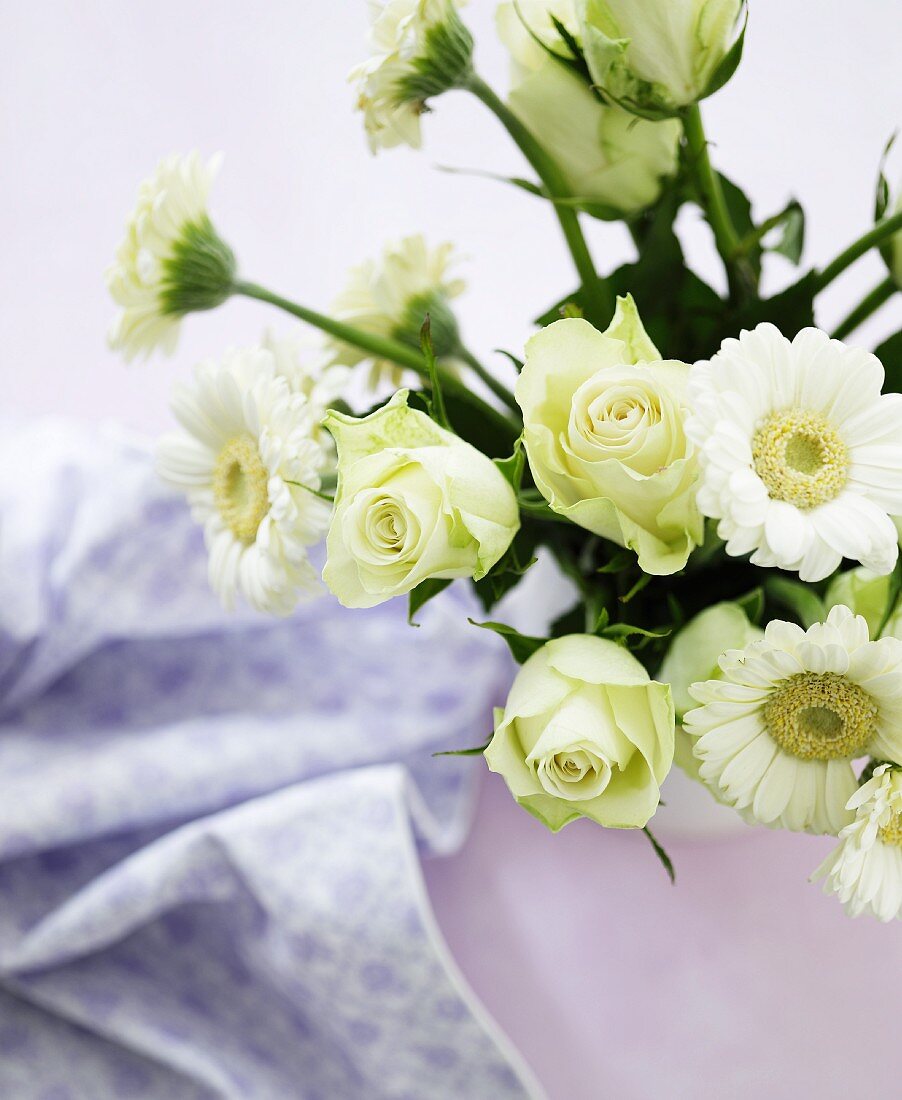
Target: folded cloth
{"x":210,"y":824}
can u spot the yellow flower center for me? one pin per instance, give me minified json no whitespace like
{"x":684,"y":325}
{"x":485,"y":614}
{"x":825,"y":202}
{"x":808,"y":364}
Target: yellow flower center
{"x":240,"y":487}
{"x":801,"y":458}
{"x":821,"y":716}
{"x":892,"y":833}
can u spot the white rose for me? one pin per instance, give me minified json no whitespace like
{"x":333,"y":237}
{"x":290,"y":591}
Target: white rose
{"x":584,"y":733}
{"x":414,"y":503}
{"x":604,"y":435}
{"x":610,"y":159}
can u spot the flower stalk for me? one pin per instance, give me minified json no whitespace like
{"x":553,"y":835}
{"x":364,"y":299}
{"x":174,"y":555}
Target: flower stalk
{"x":874,"y":237}
{"x":383,"y":347}
{"x":599,"y":295}
{"x":866,"y":308}
{"x":741,"y":279}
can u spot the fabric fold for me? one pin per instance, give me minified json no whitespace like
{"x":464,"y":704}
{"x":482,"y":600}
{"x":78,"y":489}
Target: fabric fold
{"x":210,"y":825}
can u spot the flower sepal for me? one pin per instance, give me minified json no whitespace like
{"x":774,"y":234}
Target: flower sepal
{"x":199,"y":273}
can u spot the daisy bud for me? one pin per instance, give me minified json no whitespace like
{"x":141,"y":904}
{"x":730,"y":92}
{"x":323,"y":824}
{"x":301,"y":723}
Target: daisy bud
{"x":391,"y":297}
{"x":657,"y":57}
{"x":420,"y":49}
{"x":171,"y":260}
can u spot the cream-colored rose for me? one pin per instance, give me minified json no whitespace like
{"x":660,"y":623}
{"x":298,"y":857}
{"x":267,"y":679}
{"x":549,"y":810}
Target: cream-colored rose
{"x":657,"y":56}
{"x":610,"y":159}
{"x":414,"y":503}
{"x":604,"y":434}
{"x":585,"y":733}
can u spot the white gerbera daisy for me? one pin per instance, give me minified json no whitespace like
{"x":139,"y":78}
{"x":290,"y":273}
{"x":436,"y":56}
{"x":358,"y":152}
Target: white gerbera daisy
{"x":391,"y":297}
{"x":801,"y":454}
{"x":420,"y":49}
{"x":171,"y":260}
{"x":251,"y":461}
{"x":865,"y":871}
{"x":777,"y":735}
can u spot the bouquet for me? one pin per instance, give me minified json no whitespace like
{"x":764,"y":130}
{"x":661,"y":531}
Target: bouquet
{"x":719,"y":478}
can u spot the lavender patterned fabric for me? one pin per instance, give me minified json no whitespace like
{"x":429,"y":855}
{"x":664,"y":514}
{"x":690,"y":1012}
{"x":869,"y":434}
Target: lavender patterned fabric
{"x":210,"y":825}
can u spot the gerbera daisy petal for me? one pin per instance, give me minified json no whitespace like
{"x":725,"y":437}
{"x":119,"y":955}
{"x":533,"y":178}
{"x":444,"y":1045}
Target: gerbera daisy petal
{"x":776,"y":734}
{"x":821,"y":445}
{"x":251,"y":458}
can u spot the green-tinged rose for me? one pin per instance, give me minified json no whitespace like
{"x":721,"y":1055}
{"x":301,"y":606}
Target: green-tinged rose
{"x":694,"y":656}
{"x":613,"y":162}
{"x":585,"y":733}
{"x":657,"y":57}
{"x":867,"y":594}
{"x":414,"y":503}
{"x":604,"y":432}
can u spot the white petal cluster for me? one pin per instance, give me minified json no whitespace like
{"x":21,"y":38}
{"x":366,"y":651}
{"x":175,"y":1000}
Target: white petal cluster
{"x":400,"y":41}
{"x":172,"y":199}
{"x":251,"y":459}
{"x":801,"y":453}
{"x":865,"y":871}
{"x":777,"y":734}
{"x":391,"y":296}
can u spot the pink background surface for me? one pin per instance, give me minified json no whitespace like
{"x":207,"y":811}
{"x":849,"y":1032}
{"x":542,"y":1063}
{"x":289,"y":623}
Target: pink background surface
{"x":741,"y":982}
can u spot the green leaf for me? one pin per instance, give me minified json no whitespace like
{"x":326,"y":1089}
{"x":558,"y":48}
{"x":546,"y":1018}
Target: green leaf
{"x":517,"y":363}
{"x":739,"y":207}
{"x":437,"y":404}
{"x":478,"y":751}
{"x":729,"y":65}
{"x":515,"y":181}
{"x":621,"y":560}
{"x":513,"y":467}
{"x":661,"y":854}
{"x":791,"y":242}
{"x":791,"y":310}
{"x":572,"y":305}
{"x":798,"y":598}
{"x":752,"y":603}
{"x":625,"y":630}
{"x":890,"y":355}
{"x":422,"y":594}
{"x":506,"y":574}
{"x":521,"y":645}
{"x":682,"y":315}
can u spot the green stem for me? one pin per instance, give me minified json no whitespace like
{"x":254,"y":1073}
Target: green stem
{"x":598,"y":294}
{"x":498,"y":388}
{"x":381,"y":347}
{"x":714,"y":203}
{"x":873,"y":237}
{"x":866,"y":308}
